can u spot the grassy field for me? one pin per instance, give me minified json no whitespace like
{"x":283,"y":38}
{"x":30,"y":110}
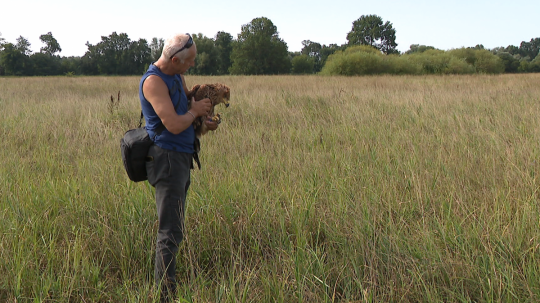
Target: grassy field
{"x":313,"y":189}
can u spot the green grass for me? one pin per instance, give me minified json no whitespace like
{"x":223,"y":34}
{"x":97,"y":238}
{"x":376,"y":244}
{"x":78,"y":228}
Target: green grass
{"x":313,"y":189}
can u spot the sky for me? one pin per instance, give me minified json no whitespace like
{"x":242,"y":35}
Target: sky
{"x":442,"y":24}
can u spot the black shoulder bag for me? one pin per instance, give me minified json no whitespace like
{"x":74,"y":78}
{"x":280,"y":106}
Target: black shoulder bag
{"x":134,"y":146}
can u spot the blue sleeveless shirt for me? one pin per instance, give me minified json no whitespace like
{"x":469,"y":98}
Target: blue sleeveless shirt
{"x":183,"y":142}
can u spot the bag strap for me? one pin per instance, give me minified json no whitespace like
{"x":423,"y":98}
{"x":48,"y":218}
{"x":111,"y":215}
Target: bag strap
{"x":140,"y":120}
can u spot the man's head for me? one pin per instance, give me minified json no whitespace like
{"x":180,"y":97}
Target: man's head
{"x":180,"y":50}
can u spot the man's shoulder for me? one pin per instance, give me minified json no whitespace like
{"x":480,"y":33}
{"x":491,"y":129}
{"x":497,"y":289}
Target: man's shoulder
{"x":154,"y":85}
{"x":154,"y":77}
{"x":154,"y":81}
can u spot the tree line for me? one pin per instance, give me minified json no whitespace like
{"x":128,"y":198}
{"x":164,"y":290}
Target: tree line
{"x":258,"y":50}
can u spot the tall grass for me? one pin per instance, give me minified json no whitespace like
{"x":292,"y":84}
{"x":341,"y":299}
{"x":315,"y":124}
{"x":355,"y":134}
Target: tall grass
{"x":313,"y":189}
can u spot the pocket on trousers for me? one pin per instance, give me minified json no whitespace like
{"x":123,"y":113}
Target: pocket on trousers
{"x":158,"y":165}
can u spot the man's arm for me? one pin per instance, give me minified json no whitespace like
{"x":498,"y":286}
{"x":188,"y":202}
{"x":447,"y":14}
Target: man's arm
{"x":157,"y":93}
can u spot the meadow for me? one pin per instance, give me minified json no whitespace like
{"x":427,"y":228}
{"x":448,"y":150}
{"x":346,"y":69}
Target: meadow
{"x":313,"y":189}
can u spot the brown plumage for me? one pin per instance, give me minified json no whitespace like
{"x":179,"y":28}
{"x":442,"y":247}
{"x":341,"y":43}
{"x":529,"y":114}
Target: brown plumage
{"x":217,"y":93}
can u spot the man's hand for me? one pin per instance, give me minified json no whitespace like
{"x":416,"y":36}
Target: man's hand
{"x":200,"y":108}
{"x":212,"y":125}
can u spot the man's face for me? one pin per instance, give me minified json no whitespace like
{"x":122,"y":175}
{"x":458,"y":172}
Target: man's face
{"x":189,"y":61}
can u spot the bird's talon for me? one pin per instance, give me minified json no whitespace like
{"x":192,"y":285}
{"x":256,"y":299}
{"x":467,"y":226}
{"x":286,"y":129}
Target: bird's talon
{"x":217,"y":118}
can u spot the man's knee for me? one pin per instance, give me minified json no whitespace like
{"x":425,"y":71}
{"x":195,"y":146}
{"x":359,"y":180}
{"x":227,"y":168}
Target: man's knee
{"x":170,"y":237}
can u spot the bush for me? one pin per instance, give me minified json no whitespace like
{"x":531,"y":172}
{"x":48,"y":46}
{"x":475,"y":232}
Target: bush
{"x":366,"y":60}
{"x":431,"y":61}
{"x":352,"y":64}
{"x":459,"y":66}
{"x":401,"y":65}
{"x":488,"y":63}
{"x":355,"y":60}
{"x":362,"y":49}
{"x":534,"y":66}
{"x":510,"y":63}
{"x":523,"y":66}
{"x":466,"y":54}
{"x":482,"y":60}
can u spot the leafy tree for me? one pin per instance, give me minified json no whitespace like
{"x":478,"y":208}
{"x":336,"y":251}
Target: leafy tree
{"x":23,"y":46}
{"x":206,"y":60}
{"x":156,"y":48}
{"x":116,"y":55}
{"x":497,"y":50}
{"x":291,"y":55}
{"x":115,"y":50}
{"x":259,"y":50}
{"x":303,"y":64}
{"x":2,"y":42}
{"x":223,"y":42}
{"x":313,"y":51}
{"x":326,"y":51}
{"x":370,"y":30}
{"x":89,"y":62}
{"x":319,"y":52}
{"x":530,"y":49}
{"x":512,"y":49}
{"x":44,"y":64}
{"x":534,"y":67}
{"x":13,"y":61}
{"x":417,"y":48}
{"x":109,"y":54}
{"x":71,"y":65}
{"x":138,"y":57}
{"x":388,"y":39}
{"x":51,"y":45}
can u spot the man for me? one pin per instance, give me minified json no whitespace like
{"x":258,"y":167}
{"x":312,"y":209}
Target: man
{"x":162,"y":92}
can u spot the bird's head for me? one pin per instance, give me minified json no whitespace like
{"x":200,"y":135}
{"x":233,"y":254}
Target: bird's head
{"x":225,"y":94}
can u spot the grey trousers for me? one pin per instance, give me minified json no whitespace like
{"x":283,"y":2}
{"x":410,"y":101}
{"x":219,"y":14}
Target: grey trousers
{"x":169,"y":172}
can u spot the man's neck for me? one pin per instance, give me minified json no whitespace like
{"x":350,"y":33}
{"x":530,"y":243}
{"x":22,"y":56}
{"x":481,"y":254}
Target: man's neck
{"x":164,"y":67}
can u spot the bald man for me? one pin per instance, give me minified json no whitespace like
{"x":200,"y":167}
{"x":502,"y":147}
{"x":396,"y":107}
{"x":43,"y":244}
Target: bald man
{"x":162,"y":92}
